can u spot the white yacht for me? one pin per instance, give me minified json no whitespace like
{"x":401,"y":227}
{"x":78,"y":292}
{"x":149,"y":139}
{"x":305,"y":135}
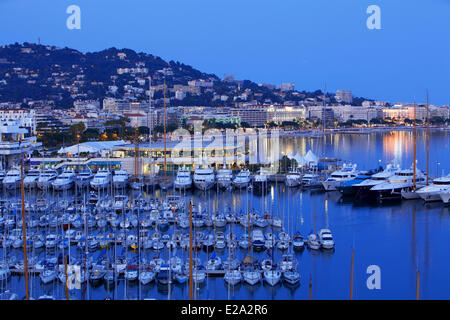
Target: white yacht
{"x":242,"y":179}
{"x":46,"y":178}
{"x":101,"y":179}
{"x":348,"y":172}
{"x":84,"y":177}
{"x":261,"y":180}
{"x":30,"y":180}
{"x":432,"y":192}
{"x":183,"y":181}
{"x":12,"y":179}
{"x":64,"y":181}
{"x":293,"y":178}
{"x":311,"y":180}
{"x":204,"y":178}
{"x":224,"y":178}
{"x":401,"y":181}
{"x":326,"y":239}
{"x":120,"y":203}
{"x":362,"y":189}
{"x":120,"y":179}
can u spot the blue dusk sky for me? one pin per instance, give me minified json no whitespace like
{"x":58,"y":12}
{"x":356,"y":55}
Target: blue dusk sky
{"x":301,"y":41}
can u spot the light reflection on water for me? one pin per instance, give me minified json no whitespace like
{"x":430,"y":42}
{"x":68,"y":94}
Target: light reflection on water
{"x":400,"y":237}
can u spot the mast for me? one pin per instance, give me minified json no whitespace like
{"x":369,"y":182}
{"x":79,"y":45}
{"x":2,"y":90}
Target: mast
{"x":24,"y":230}
{"x":149,"y":109}
{"x":165,"y":145}
{"x":414,"y":157}
{"x":428,"y":141}
{"x":324,"y":107}
{"x":136,"y":151}
{"x":351,"y":277}
{"x":191,"y":291}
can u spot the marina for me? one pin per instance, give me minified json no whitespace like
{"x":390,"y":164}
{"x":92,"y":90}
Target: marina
{"x":248,"y":242}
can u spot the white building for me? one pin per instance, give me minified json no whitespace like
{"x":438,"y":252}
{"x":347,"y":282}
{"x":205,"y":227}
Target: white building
{"x":26,"y":118}
{"x":344,"y":96}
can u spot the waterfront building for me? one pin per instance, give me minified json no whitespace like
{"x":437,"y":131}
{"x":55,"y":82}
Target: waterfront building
{"x":14,"y":141}
{"x":278,"y":114}
{"x":26,"y":117}
{"x":255,"y":117}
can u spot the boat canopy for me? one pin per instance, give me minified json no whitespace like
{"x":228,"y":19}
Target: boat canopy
{"x":91,"y":147}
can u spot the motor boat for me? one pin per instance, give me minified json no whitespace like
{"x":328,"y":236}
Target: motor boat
{"x":12,"y":179}
{"x":293,"y":178}
{"x":84,"y":177}
{"x":30,"y":181}
{"x":261,"y":180}
{"x":362,"y":189}
{"x":326,"y":239}
{"x":291,"y":277}
{"x":46,"y":178}
{"x":242,"y":179}
{"x":183,"y":181}
{"x":313,"y":241}
{"x":252,"y":277}
{"x":101,"y":179}
{"x":346,"y":188}
{"x":348,"y":172}
{"x":311,"y":181}
{"x":432,"y":192}
{"x":204,"y":178}
{"x":272,"y":277}
{"x":120,"y":179}
{"x":224,"y":178}
{"x":401,"y":182}
{"x":64,"y":181}
{"x":258,"y":240}
{"x":233,"y":277}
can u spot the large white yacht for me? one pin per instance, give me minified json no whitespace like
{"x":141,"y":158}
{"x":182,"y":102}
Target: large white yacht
{"x":12,"y":179}
{"x":204,"y":178}
{"x":101,"y":179}
{"x":348,"y":172}
{"x":363,"y":188}
{"x":64,"y":181}
{"x":120,"y":179}
{"x":46,"y":178}
{"x":224,"y":178}
{"x":183,"y":181}
{"x":399,"y":183}
{"x":242,"y":179}
{"x":293,"y":178}
{"x":84,"y":177}
{"x":30,"y":180}
{"x":432,"y":192}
